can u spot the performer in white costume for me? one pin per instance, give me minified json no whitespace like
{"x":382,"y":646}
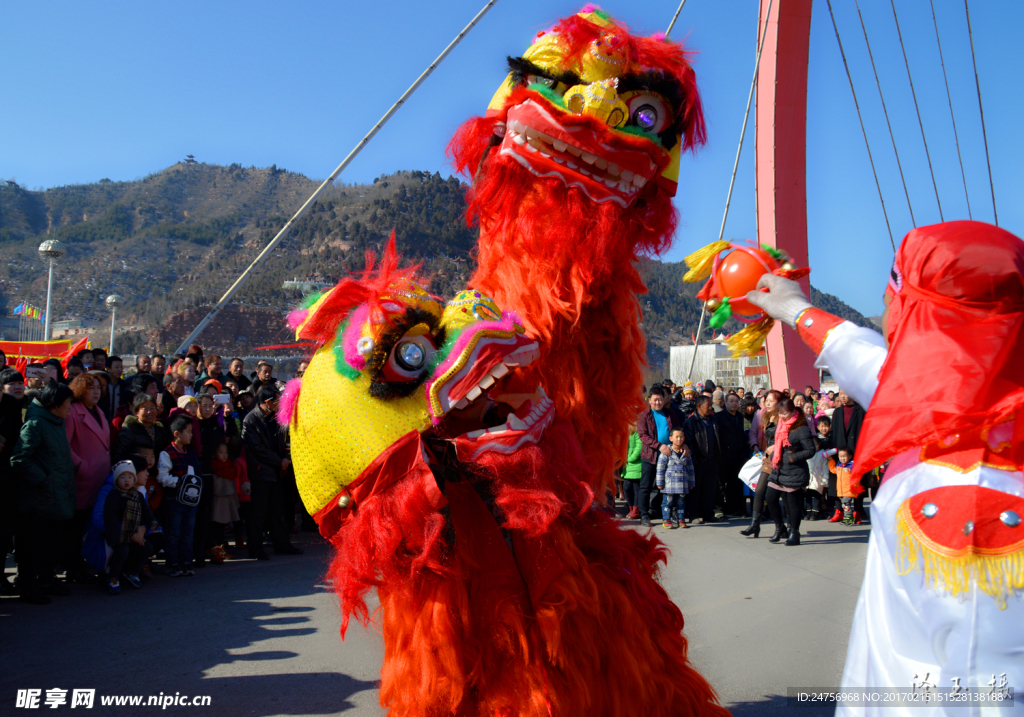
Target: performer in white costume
{"x":941,"y":607}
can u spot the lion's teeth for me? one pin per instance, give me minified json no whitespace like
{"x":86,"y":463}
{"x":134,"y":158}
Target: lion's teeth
{"x":516,"y":423}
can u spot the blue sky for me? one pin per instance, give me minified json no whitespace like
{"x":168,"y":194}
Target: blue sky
{"x":120,"y":90}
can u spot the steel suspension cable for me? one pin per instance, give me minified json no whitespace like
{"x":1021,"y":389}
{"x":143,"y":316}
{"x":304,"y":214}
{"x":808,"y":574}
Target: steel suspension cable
{"x":956,"y":137}
{"x":735,"y":166}
{"x":886,"y":113}
{"x":913,"y":94}
{"x":849,"y":77}
{"x":674,"y":18}
{"x":981,"y":111}
{"x":338,"y":170}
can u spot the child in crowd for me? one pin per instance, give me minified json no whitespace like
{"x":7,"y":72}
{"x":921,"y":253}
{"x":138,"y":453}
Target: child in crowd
{"x":674,"y":479}
{"x":819,"y":501}
{"x":126,"y":516}
{"x":189,"y":406}
{"x":225,"y":497}
{"x":152,"y":492}
{"x":847,"y":488}
{"x":809,"y":413}
{"x":631,"y":476}
{"x":179,"y":474}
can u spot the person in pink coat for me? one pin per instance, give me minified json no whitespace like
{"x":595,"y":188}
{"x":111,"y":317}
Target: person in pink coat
{"x":89,"y":436}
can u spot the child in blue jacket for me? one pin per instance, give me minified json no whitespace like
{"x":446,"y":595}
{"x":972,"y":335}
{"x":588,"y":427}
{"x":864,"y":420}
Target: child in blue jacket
{"x":675,"y":478}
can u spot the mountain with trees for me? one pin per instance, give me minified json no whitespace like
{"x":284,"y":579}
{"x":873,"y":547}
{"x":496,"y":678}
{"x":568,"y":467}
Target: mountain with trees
{"x":177,"y":239}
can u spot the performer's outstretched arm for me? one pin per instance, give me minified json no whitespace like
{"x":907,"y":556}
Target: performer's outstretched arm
{"x":851,"y":353}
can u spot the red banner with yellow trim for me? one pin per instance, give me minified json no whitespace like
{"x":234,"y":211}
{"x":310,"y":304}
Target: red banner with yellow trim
{"x":35,"y":349}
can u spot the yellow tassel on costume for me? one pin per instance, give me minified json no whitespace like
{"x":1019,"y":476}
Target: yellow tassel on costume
{"x":749,"y":341}
{"x":701,"y":261}
{"x":995,"y":575}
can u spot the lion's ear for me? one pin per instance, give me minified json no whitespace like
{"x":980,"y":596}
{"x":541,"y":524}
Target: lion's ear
{"x":308,"y":322}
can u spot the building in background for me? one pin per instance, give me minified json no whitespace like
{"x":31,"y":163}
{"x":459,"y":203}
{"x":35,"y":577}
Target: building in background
{"x":72,"y":327}
{"x":715,"y":362}
{"x":308,"y":285}
{"x":9,"y":328}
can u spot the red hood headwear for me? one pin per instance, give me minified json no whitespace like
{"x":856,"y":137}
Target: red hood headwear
{"x":956,"y":336}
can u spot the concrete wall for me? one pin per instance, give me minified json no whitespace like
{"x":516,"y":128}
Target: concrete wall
{"x":703,"y":368}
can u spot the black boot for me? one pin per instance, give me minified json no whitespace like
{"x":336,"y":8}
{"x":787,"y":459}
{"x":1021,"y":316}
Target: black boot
{"x":780,"y":533}
{"x":794,"y":538}
{"x":754,"y":529}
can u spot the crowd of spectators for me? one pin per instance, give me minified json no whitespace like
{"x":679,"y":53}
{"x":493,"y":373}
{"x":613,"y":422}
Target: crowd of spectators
{"x":108,"y":475}
{"x":692,"y":443}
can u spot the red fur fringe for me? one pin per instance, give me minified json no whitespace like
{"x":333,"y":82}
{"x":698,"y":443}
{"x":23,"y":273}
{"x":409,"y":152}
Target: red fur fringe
{"x":568,"y":267}
{"x":392,"y":542}
{"x":451,"y":650}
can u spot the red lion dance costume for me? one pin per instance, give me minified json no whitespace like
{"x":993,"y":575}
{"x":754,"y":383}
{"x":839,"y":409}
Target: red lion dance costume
{"x":438,"y":445}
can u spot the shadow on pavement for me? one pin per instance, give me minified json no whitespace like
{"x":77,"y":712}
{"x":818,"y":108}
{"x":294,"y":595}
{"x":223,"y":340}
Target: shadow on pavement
{"x":224,"y":633}
{"x":773,"y":705}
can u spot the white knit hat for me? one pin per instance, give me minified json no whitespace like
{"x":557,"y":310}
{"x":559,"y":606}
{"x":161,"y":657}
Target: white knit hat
{"x":123,"y":467}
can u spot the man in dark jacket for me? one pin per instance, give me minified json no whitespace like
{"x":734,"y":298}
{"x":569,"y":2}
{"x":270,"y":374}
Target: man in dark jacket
{"x":735,"y":452}
{"x":116,"y":393}
{"x":701,"y":432}
{"x":264,"y":377}
{"x":267,"y":463}
{"x":46,"y":471}
{"x":236,"y":371}
{"x":654,"y":428}
{"x":847,"y":420}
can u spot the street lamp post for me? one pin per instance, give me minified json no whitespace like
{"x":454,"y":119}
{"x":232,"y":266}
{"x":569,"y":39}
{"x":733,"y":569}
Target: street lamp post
{"x":50,"y":250}
{"x":113,"y":301}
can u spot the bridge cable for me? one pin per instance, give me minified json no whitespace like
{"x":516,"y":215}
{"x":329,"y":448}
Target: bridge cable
{"x":735,"y":166}
{"x":949,"y":97}
{"x":924,"y":139}
{"x":861,"y":119}
{"x":674,"y":18}
{"x":885,"y":112}
{"x":981,"y":111}
{"x":330,"y":179}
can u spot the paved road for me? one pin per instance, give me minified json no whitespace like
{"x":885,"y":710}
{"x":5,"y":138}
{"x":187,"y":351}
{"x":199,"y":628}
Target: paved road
{"x":262,"y":638}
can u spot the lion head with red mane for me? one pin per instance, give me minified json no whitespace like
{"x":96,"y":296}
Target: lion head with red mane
{"x":574,"y":167}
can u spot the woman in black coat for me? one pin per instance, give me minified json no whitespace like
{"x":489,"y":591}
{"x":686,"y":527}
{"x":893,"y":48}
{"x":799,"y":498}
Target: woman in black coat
{"x":141,"y":430}
{"x":790,"y":474}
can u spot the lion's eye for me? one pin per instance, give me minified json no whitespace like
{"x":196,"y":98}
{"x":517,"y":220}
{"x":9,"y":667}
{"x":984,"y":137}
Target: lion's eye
{"x":539,"y":80}
{"x":409,"y":358}
{"x":649,"y":112}
{"x":410,"y":355}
